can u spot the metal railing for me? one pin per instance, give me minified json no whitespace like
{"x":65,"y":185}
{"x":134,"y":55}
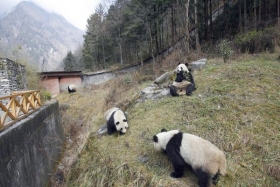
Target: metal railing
{"x":17,"y":106}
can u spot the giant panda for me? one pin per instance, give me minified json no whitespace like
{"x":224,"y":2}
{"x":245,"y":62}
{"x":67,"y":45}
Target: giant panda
{"x":207,"y":161}
{"x":184,"y":82}
{"x":71,"y":88}
{"x":116,"y":120}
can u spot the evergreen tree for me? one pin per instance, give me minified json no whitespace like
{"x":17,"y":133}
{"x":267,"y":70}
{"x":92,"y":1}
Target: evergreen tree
{"x":69,"y":62}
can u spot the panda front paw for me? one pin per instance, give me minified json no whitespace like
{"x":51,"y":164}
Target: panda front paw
{"x":176,"y":175}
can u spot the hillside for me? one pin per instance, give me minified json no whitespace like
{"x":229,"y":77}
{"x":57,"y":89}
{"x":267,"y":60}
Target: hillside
{"x":31,"y":32}
{"x":236,"y":106}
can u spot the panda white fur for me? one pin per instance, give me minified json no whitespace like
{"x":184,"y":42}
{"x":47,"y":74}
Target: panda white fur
{"x":116,"y":120}
{"x":181,"y":67}
{"x":184,"y":82}
{"x":72,"y":88}
{"x":207,"y":161}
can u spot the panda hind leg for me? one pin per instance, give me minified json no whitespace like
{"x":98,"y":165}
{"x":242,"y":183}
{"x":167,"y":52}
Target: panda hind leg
{"x":173,"y":90}
{"x":203,"y":178}
{"x":216,"y":178}
{"x":190,"y":88}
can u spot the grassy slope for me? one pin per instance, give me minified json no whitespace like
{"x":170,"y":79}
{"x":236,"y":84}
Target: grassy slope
{"x":236,"y":106}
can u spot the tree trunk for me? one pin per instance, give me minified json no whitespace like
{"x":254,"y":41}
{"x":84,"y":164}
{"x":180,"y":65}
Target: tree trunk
{"x":103,"y":50}
{"x":196,"y":28}
{"x":245,"y":17}
{"x":240,"y":16}
{"x":255,"y":14}
{"x":278,"y":12}
{"x":187,"y":27}
{"x":156,"y":29}
{"x":120,"y":46}
{"x":172,"y":24}
{"x":260,"y":11}
{"x":211,"y":21}
{"x":206,"y":19}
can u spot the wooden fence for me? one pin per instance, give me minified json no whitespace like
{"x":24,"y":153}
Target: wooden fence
{"x":17,"y":106}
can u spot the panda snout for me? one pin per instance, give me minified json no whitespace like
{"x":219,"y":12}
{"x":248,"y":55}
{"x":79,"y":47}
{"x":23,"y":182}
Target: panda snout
{"x":123,"y":130}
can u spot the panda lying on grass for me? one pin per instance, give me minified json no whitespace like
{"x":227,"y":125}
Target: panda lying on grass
{"x":184,"y":82}
{"x":116,"y":120}
{"x":207,"y":161}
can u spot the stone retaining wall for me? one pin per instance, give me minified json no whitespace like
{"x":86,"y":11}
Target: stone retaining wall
{"x":12,"y":76}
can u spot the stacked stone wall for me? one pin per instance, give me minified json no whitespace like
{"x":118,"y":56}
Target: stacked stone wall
{"x":12,"y":77}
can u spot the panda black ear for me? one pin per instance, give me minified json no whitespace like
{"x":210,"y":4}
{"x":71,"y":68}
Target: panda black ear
{"x":155,"y":138}
{"x":187,"y":64}
{"x":163,"y":130}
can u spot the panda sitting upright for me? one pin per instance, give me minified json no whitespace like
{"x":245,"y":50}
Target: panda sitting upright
{"x":116,"y":120}
{"x":184,"y":82}
{"x":207,"y":161}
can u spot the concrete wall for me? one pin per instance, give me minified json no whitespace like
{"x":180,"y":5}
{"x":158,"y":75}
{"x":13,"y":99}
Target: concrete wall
{"x":97,"y":77}
{"x":30,"y":149}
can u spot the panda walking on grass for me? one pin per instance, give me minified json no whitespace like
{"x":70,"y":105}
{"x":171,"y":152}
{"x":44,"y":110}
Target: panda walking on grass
{"x":71,"y":88}
{"x":207,"y":161}
{"x":116,"y":120}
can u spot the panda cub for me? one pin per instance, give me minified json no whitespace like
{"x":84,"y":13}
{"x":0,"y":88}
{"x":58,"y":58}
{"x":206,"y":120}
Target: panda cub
{"x":71,"y":88}
{"x":116,"y":120}
{"x":207,"y":161}
{"x":184,"y":82}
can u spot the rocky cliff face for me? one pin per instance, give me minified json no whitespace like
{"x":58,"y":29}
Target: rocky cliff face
{"x":38,"y":36}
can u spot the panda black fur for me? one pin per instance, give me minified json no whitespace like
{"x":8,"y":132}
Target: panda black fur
{"x":207,"y":161}
{"x":184,"y":82}
{"x":116,"y":120}
{"x":72,"y":88}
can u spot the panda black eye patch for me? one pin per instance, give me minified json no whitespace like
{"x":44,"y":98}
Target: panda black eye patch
{"x":155,"y":138}
{"x":124,"y":120}
{"x":117,"y":123}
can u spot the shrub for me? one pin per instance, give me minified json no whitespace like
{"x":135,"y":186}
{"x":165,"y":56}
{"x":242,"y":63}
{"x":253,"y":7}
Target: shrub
{"x":45,"y":95}
{"x":258,"y":41}
{"x":225,"y":50}
{"x":34,"y":82}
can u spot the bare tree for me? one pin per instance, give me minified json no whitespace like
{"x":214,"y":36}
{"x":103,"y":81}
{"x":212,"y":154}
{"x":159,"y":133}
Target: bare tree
{"x":240,"y":16}
{"x":278,"y":12}
{"x":206,"y":19}
{"x":245,"y":17}
{"x":255,"y":14}
{"x":211,"y":21}
{"x":260,"y":12}
{"x":187,"y":26}
{"x":196,"y":27}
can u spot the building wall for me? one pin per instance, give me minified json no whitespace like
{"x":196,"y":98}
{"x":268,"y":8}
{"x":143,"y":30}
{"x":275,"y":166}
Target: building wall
{"x":52,"y":85}
{"x":65,"y":81}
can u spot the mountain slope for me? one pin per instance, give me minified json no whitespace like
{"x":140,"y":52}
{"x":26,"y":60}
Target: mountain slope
{"x":42,"y":36}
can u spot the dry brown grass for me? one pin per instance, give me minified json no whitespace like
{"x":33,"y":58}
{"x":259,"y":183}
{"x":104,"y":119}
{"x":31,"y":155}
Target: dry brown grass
{"x":236,"y":106}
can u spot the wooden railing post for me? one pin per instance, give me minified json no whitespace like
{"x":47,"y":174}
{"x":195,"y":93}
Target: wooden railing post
{"x":20,"y":105}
